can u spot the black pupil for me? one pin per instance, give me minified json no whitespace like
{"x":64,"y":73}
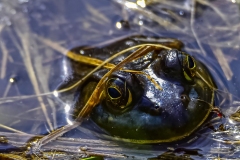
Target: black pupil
{"x":113,"y":93}
{"x":190,"y":62}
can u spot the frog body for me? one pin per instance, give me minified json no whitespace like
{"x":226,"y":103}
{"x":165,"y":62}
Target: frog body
{"x":133,"y":107}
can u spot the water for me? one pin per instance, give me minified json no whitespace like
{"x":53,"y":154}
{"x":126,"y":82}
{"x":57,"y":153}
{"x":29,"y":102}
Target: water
{"x":36,"y":34}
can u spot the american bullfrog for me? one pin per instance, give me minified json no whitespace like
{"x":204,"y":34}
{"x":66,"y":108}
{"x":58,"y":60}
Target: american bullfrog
{"x":162,"y":96}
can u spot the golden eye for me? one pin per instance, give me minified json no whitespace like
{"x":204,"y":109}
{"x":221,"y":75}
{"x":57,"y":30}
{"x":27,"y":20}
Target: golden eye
{"x":118,"y":96}
{"x":114,"y":92}
{"x":191,"y":63}
{"x":189,"y":68}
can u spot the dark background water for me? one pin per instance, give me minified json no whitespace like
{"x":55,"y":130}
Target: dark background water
{"x":34,"y":33}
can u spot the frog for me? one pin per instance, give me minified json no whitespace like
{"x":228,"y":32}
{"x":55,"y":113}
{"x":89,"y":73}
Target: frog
{"x":164,"y":96}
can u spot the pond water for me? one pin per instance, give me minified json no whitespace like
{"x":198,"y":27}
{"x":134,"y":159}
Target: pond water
{"x":35,"y":38}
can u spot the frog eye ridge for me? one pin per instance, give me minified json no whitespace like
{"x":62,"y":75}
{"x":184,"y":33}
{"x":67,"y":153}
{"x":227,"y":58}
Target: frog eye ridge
{"x":118,"y":96}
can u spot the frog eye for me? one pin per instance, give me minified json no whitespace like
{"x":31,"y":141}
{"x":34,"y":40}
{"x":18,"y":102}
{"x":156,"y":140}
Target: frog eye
{"x":114,"y":93}
{"x":118,"y":96}
{"x":191,"y":63}
{"x":189,"y":68}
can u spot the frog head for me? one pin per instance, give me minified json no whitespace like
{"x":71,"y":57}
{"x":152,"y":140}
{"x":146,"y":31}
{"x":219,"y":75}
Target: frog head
{"x":132,"y":107}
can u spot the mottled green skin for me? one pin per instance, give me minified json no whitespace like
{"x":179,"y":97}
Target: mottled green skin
{"x":168,"y":117}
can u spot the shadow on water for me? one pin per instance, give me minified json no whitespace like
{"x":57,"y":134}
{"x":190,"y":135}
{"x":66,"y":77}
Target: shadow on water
{"x":36,"y":36}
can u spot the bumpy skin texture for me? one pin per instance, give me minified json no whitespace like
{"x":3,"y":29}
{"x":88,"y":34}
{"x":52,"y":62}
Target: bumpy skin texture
{"x":153,"y":115}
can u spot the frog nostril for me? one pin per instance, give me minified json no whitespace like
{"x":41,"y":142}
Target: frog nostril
{"x":149,"y":107}
{"x":156,"y":106}
{"x":156,"y":110}
{"x":185,"y":100}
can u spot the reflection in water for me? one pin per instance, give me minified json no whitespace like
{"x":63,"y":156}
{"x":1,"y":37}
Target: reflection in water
{"x":208,"y":29}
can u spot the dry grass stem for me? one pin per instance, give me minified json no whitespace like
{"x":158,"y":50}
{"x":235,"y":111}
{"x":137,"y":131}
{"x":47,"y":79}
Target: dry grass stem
{"x":223,"y":62}
{"x":193,"y":28}
{"x":11,"y":129}
{"x":4,"y":59}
